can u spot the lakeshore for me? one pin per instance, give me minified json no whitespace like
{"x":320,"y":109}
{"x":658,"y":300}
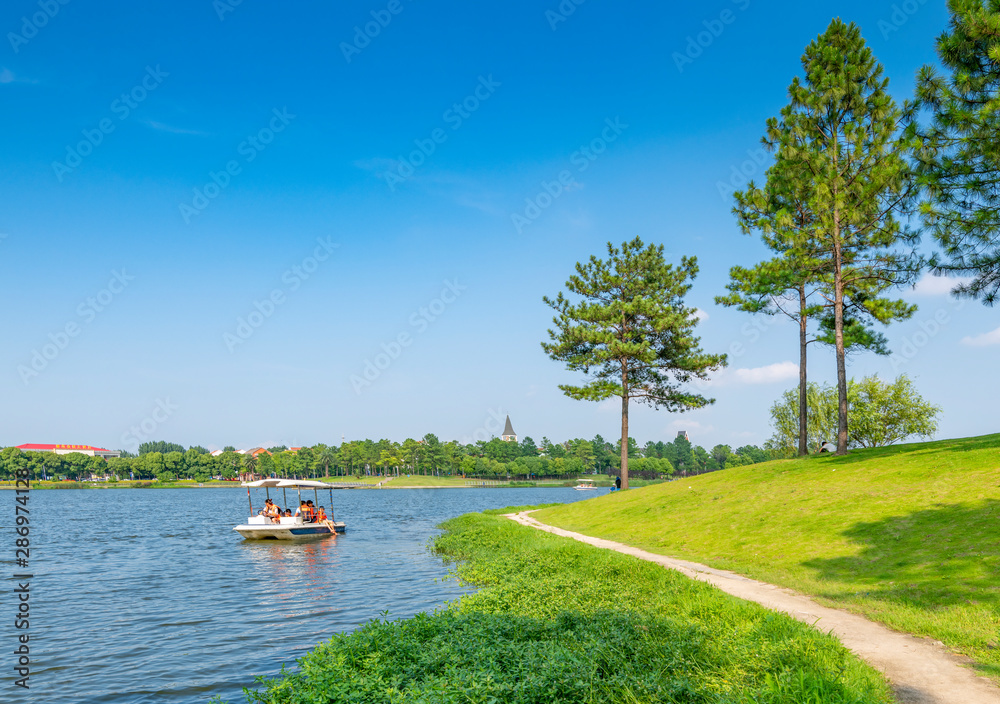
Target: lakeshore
{"x":174,"y":606}
{"x":413,"y":482}
{"x":921,"y":513}
{"x":556,"y":621}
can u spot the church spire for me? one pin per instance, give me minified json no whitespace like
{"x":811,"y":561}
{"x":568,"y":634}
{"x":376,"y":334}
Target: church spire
{"x":508,"y":432}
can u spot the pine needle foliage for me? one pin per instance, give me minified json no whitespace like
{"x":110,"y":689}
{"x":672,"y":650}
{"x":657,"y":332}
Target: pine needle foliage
{"x":960,"y":165}
{"x":628,"y":329}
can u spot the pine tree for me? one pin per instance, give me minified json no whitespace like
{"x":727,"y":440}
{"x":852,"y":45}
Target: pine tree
{"x":960,"y":165}
{"x":631,"y":333}
{"x":795,"y":283}
{"x":781,"y":212}
{"x":843,"y":133}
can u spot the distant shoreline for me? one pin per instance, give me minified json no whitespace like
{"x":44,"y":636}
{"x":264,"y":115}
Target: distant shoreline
{"x":89,"y":486}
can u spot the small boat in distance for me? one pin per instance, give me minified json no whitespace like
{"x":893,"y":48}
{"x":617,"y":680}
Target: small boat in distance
{"x":261,"y":527}
{"x":585,"y":485}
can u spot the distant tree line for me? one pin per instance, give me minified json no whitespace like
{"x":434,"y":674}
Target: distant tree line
{"x":494,"y":458}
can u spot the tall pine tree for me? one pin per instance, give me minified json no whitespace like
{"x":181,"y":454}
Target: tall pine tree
{"x":843,"y":133}
{"x":631,"y":333}
{"x":780,"y":211}
{"x":796,"y":282}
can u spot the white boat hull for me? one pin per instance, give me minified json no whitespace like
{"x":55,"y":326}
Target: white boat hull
{"x":287,"y":531}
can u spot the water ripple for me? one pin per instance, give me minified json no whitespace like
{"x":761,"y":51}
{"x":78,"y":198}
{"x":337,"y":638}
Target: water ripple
{"x":149,"y":596}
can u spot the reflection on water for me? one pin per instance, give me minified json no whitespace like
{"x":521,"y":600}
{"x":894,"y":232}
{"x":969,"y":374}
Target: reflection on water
{"x":137,"y":601}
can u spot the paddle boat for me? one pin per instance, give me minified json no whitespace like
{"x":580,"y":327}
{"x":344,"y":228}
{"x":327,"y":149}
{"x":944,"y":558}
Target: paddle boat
{"x":585,"y":485}
{"x":261,"y":527}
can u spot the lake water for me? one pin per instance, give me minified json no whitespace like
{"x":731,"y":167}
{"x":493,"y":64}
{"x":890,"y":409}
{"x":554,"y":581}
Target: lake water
{"x":150,"y":596}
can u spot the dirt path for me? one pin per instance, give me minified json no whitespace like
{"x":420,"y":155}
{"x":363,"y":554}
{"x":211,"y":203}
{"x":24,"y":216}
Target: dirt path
{"x":921,"y":671}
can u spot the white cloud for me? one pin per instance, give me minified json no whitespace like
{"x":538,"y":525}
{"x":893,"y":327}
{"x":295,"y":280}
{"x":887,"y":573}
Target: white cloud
{"x":700,"y":315}
{"x":770,"y":374}
{"x":930,"y":285}
{"x":984,"y":340}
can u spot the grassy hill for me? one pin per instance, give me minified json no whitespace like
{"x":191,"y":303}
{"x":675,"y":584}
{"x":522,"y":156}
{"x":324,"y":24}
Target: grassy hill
{"x":906,"y":535}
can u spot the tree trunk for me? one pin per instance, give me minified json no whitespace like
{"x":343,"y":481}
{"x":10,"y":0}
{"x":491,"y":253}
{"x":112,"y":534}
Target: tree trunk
{"x":624,"y":429}
{"x":838,"y":318}
{"x":803,"y":405}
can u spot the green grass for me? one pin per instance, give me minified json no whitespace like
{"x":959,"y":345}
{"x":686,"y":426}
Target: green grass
{"x":416,"y":480}
{"x":906,"y":535}
{"x":556,"y":621}
{"x":340,"y":479}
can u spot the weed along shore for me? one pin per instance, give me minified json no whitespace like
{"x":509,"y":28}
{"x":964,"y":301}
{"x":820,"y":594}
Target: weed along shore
{"x":557,"y":621}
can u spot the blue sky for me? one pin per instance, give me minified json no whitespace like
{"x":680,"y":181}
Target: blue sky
{"x":217,"y":216}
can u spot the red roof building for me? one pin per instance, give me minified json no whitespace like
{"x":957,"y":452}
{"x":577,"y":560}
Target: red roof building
{"x":254,"y":452}
{"x":67,"y":449}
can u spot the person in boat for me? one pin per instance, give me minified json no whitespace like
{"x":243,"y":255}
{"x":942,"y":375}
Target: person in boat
{"x":322,"y":518}
{"x":312,"y":511}
{"x":271,"y":511}
{"x":305,"y":511}
{"x":288,"y":513}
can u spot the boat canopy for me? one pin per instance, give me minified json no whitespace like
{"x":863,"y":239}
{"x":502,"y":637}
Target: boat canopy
{"x":263,"y":482}
{"x":303,"y":483}
{"x":289,"y":484}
